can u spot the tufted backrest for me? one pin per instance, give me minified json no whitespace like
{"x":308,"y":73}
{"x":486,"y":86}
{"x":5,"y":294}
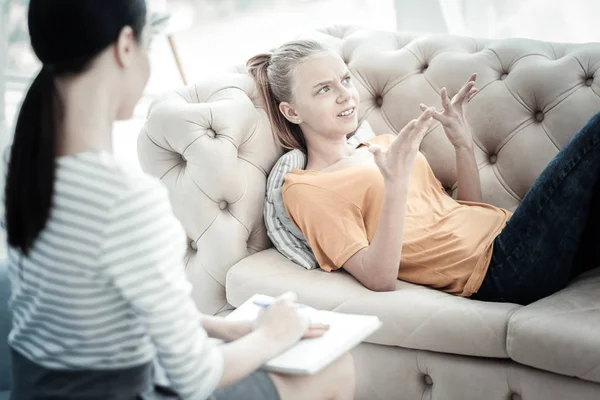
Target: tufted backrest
{"x":211,"y":143}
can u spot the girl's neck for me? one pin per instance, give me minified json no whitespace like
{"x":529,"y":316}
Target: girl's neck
{"x":323,"y":152}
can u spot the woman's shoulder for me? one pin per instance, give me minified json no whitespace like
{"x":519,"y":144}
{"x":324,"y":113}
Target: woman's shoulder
{"x":103,"y":175}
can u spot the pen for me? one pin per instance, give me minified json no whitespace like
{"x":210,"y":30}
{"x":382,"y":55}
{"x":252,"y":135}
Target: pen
{"x":266,"y":304}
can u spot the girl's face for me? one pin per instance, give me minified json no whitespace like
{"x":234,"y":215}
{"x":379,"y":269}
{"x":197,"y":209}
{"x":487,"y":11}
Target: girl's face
{"x":325,"y":101}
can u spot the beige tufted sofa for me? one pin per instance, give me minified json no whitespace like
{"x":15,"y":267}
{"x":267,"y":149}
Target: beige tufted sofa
{"x":211,"y":144}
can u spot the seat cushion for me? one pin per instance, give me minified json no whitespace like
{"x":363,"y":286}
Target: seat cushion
{"x":561,"y":333}
{"x":413,"y":316}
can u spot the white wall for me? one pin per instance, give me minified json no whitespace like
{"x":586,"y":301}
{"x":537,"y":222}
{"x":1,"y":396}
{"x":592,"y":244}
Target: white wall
{"x":550,"y":20}
{"x":423,"y":16}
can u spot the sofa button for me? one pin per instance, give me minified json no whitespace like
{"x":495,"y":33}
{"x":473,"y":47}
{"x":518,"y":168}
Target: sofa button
{"x":515,"y":396}
{"x":589,"y":81}
{"x":183,"y":159}
{"x":211,"y":133}
{"x":503,"y":76}
{"x":539,"y":116}
{"x":223,"y":204}
{"x":193,"y":245}
{"x":379,"y":101}
{"x":428,"y":380}
{"x":424,"y":67}
{"x":493,"y":159}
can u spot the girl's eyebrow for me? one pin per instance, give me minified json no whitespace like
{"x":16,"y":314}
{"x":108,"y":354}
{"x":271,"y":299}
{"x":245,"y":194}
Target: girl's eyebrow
{"x":321,"y":84}
{"x":346,"y":72}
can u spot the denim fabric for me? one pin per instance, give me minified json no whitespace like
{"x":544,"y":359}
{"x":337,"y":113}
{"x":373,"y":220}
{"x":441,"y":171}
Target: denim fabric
{"x":554,"y":234}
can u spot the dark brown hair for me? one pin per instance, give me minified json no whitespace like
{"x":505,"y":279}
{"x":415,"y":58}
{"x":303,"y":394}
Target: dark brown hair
{"x":66,"y":36}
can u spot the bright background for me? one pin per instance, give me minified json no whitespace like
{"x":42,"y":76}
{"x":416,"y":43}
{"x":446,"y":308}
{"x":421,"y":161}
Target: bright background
{"x":212,"y":35}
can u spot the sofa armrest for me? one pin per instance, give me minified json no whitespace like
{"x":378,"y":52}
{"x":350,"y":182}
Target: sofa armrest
{"x":213,"y":150}
{"x":561,"y":333}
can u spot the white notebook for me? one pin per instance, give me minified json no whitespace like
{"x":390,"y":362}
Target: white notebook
{"x":311,"y":355}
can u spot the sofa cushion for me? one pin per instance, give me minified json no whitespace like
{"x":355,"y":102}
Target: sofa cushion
{"x":413,"y":316}
{"x":286,"y":237}
{"x":561,"y":333}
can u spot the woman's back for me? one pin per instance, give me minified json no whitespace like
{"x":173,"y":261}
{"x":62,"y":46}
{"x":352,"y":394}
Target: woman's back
{"x":103,"y":286}
{"x":65,"y":291}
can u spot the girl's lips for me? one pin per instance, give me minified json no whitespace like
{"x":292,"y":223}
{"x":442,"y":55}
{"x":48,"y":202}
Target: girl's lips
{"x":347,"y":113}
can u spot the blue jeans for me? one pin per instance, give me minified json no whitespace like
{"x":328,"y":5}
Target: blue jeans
{"x":554,"y":234}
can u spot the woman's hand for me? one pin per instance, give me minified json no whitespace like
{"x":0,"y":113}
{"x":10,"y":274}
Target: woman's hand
{"x":243,"y":327}
{"x":276,"y":329}
{"x":453,"y":117}
{"x":284,"y":324}
{"x":396,"y":161}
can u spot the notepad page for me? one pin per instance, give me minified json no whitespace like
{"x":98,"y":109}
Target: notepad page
{"x":311,"y":355}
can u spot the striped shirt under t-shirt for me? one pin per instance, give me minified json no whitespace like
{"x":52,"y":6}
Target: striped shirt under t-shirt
{"x":104,"y":285}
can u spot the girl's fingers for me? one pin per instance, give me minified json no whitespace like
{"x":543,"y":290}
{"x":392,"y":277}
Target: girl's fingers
{"x":470,"y":84}
{"x":462,"y":93}
{"x":409,"y":127}
{"x":471,"y":94}
{"x":375,"y":148}
{"x":445,"y":99}
{"x":425,"y":115}
{"x":441,"y":117}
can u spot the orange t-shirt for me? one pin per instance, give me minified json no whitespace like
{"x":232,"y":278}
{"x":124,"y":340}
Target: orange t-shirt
{"x":447,"y":244}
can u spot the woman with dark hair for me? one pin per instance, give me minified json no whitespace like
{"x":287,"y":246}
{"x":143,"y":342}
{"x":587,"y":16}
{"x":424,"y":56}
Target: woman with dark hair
{"x":95,"y":252}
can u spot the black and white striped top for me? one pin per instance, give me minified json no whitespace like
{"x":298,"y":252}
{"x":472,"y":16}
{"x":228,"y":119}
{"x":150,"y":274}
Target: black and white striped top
{"x":104,"y":285}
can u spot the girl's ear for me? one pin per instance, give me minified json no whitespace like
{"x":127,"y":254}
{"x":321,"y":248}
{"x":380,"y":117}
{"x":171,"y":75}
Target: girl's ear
{"x":289,"y":113}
